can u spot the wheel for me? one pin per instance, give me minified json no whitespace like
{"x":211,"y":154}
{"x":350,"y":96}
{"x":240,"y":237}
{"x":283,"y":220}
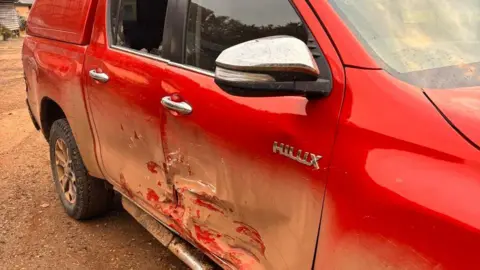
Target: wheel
{"x":82,"y":195}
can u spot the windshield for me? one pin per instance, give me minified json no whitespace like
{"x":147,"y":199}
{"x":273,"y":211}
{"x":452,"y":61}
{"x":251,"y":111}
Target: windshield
{"x":430,"y":43}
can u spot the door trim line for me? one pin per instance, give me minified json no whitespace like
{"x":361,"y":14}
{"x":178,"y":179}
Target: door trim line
{"x":163,"y":60}
{"x":139,"y":53}
{"x":194,"y":69}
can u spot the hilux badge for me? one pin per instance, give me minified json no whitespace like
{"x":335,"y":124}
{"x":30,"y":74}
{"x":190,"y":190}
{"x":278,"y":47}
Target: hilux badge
{"x":307,"y":158}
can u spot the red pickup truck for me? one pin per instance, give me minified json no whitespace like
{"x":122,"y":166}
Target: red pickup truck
{"x":268,"y":134}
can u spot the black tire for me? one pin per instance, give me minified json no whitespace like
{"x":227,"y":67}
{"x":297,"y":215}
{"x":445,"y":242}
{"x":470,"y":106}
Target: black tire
{"x":93,"y":198}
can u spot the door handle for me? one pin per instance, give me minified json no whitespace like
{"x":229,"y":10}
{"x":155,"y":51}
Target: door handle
{"x":182,"y":108}
{"x":101,"y":77}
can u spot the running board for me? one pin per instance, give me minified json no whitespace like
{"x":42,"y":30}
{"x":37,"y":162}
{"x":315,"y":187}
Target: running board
{"x":188,"y":254}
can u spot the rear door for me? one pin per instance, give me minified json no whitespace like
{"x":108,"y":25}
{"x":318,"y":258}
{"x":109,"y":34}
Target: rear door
{"x":124,"y":71}
{"x":240,"y":201}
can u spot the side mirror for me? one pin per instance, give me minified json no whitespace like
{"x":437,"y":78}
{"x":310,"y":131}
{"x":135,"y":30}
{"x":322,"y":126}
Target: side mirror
{"x":268,"y":67}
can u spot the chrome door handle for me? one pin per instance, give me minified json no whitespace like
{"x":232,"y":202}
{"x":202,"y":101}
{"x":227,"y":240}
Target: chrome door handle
{"x":182,"y":108}
{"x":101,"y":77}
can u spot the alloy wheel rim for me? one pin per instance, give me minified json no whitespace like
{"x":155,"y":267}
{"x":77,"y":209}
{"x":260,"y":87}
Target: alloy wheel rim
{"x":66,"y":175}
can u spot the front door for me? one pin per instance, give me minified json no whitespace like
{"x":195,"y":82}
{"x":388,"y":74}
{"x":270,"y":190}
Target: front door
{"x":125,"y":68}
{"x":237,"y":196}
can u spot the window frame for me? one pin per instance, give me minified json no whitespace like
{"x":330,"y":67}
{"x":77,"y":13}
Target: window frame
{"x":182,"y":36}
{"x":176,"y":28}
{"x":167,"y":39}
{"x":174,"y":20}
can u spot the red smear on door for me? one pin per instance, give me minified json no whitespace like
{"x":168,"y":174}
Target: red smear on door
{"x":152,"y":196}
{"x":206,"y":205}
{"x":253,"y":234}
{"x":207,"y":239}
{"x":152,"y":167}
{"x":124,"y":186}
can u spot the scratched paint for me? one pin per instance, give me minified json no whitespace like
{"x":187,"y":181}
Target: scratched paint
{"x":208,"y":238}
{"x":137,"y":158}
{"x":229,"y":208}
{"x":152,"y":195}
{"x":192,"y":199}
{"x":211,"y":223}
{"x":198,"y":216}
{"x":207,"y":205}
{"x":137,"y":136}
{"x":215,"y":200}
{"x":203,"y":218}
{"x":252,"y":234}
{"x":152,"y":167}
{"x":125,"y":187}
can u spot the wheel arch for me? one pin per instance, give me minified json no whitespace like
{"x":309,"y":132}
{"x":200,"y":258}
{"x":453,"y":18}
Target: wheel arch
{"x":50,"y":112}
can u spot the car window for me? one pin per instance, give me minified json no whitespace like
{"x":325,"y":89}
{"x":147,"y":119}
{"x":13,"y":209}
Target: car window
{"x":138,"y":24}
{"x":214,"y":26}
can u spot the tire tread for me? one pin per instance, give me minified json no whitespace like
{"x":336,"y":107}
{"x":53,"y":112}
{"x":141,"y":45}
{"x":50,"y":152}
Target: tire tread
{"x":93,"y":197}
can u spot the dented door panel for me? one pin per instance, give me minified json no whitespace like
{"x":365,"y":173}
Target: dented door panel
{"x":131,"y":143}
{"x":240,"y":198}
{"x":127,"y":118}
{"x":250,"y":208}
{"x":213,"y":176}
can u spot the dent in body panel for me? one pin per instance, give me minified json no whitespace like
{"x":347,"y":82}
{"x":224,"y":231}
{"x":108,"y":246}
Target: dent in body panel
{"x":207,"y":220}
{"x":128,"y":118}
{"x":138,"y":177}
{"x":240,"y":209}
{"x":265,"y":207}
{"x":212,"y":221}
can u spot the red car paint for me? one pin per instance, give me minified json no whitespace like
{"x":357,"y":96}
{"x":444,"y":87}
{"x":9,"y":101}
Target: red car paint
{"x":462,"y":107}
{"x":70,"y":21}
{"x":398,"y":186}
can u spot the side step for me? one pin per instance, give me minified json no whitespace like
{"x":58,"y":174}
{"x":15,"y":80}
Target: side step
{"x":188,"y":254}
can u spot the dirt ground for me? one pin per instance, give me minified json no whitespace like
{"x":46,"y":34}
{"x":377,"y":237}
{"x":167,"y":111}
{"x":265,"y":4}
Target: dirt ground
{"x":35,"y":233}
